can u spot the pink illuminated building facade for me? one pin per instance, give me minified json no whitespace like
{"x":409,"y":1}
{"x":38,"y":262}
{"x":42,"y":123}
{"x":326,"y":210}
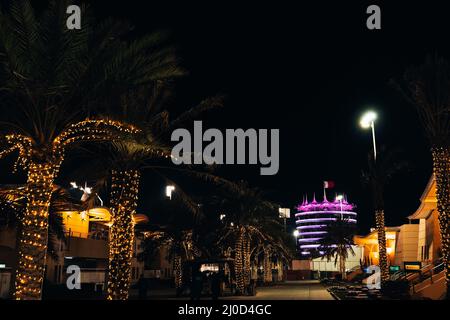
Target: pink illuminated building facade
{"x":312,"y":219}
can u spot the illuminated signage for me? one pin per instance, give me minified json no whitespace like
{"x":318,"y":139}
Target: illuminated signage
{"x":393,"y":269}
{"x":413,"y":266}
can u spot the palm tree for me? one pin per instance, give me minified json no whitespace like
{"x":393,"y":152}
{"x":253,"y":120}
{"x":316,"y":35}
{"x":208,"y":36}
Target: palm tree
{"x":13,"y":204}
{"x":180,"y":249}
{"x":377,"y":176}
{"x":146,"y":109}
{"x":250,"y":222}
{"x":269,"y":250}
{"x":54,"y":80}
{"x":337,"y":243}
{"x":427,"y":88}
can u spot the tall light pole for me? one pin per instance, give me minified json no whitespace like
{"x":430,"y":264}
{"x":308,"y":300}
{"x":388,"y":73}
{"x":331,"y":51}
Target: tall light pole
{"x":296,"y":233}
{"x":368,"y":121}
{"x":339,"y":198}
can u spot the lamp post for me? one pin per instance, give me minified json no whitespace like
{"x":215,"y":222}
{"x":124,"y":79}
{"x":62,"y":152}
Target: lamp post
{"x":169,"y":190}
{"x":339,"y":198}
{"x":368,"y":121}
{"x":296,"y":233}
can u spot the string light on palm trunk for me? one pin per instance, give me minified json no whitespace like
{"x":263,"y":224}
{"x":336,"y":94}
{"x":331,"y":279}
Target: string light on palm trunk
{"x":34,"y":232}
{"x":267,"y":267}
{"x":124,"y":195}
{"x":379,"y":220}
{"x":238,"y":260}
{"x":43,"y":163}
{"x":441,"y":168}
{"x":177,"y":271}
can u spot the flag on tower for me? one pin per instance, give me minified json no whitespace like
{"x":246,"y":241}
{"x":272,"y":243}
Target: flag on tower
{"x":328,"y":184}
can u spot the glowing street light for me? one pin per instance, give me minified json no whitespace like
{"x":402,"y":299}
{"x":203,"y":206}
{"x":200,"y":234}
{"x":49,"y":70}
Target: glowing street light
{"x":368,"y":121}
{"x":169,"y":190}
{"x":296,"y":233}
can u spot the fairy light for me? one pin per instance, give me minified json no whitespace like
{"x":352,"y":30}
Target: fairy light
{"x":379,"y":220}
{"x":177,"y":271}
{"x":238,"y":260}
{"x":34,"y":232}
{"x":42,"y":172}
{"x":441,"y":168}
{"x":124,"y":195}
{"x":267,"y":267}
{"x":247,"y":261}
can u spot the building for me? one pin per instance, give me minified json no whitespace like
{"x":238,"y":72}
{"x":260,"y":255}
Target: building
{"x":85,"y":245}
{"x":312,"y":218}
{"x":369,"y":243}
{"x":406,"y":245}
{"x":318,"y":268}
{"x":418,"y":242}
{"x":429,"y":237}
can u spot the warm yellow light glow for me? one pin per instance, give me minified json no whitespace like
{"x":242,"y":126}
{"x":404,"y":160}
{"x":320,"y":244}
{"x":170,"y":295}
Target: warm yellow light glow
{"x":124,"y":194}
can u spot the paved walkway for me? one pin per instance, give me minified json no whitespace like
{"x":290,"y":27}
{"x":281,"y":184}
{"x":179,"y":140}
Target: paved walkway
{"x":290,"y":290}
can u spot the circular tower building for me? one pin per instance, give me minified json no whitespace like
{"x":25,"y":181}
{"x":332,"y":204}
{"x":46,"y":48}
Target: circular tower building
{"x":312,"y":219}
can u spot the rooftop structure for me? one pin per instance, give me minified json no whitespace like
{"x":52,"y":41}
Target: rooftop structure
{"x":312,"y":218}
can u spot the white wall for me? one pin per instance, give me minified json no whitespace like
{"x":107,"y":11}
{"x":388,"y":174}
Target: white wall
{"x":421,"y":237}
{"x":407,"y":242}
{"x":320,"y":264}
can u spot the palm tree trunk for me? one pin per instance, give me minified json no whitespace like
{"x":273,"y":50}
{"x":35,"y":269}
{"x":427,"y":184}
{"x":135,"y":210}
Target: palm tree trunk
{"x":178,"y":276}
{"x":342,"y":267}
{"x":34,"y":232}
{"x":441,"y":169}
{"x":280,"y":270}
{"x":124,"y":195}
{"x":382,"y":256}
{"x":247,"y":261}
{"x":267,"y":267}
{"x":238,"y":262}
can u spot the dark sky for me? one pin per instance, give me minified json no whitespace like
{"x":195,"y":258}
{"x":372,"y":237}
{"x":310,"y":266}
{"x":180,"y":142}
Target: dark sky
{"x":309,"y":69}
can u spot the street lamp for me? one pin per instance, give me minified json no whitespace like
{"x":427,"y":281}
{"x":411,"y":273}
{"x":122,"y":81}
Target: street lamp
{"x":296,"y":233}
{"x":368,"y":121}
{"x":169,"y":190}
{"x":339,"y":198}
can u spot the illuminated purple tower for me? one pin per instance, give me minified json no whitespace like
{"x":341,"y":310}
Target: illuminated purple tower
{"x":313,"y":217}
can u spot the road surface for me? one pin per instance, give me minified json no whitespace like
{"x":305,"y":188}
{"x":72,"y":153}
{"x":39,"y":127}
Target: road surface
{"x":290,"y":290}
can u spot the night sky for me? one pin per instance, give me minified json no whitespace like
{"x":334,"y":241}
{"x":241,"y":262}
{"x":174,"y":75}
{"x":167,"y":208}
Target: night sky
{"x":310,"y":70}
